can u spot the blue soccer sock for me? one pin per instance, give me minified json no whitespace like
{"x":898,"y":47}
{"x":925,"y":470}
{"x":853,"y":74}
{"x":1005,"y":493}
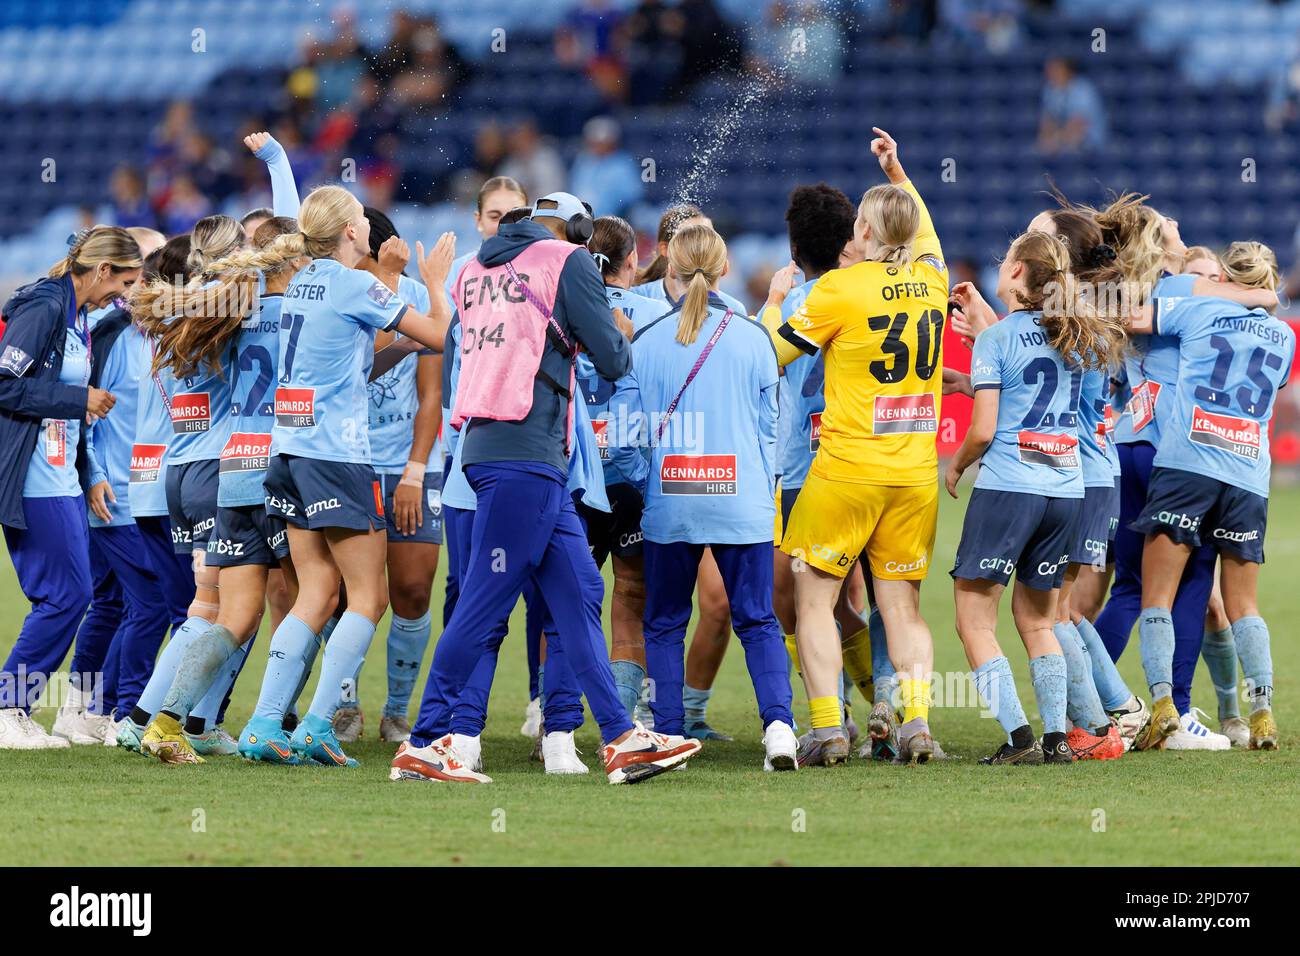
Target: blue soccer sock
{"x":628,"y":678}
{"x":882,"y":668}
{"x":164,"y":671}
{"x":1156,"y":633}
{"x":1048,"y":674}
{"x":1220,"y":652}
{"x":997,"y":687}
{"x":695,"y":704}
{"x":205,"y":712}
{"x":201,"y":665}
{"x":290,"y":645}
{"x":309,"y":660}
{"x":1112,"y":690}
{"x":1251,"y":634}
{"x":1082,"y":703}
{"x":344,"y":655}
{"x":407,"y":639}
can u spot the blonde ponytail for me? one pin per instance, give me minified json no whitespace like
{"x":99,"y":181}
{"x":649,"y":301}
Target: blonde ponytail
{"x":1075,"y":328}
{"x":97,"y":245}
{"x":697,"y":257}
{"x":892,"y":215}
{"x":212,"y":238}
{"x":1250,"y":264}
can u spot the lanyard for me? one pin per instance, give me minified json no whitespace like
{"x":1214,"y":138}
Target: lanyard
{"x":537,"y":304}
{"x":695,"y":369}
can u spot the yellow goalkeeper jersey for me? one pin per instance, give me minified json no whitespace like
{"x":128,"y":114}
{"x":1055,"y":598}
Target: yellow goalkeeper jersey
{"x":880,"y":327}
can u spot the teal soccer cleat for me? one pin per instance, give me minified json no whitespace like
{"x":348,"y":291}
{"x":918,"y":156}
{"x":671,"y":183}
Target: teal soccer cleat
{"x":314,"y":742}
{"x":263,"y":741}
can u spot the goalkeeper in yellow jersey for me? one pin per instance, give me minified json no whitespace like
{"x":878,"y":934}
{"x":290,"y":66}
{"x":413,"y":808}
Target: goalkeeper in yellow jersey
{"x":873,"y":486}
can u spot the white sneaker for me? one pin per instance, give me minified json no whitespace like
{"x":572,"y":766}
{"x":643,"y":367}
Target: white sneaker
{"x":781,"y":745}
{"x":469,"y":750}
{"x":645,"y":754}
{"x":560,"y":755}
{"x":1236,"y":730}
{"x":532,"y":727}
{"x":1194,"y":735}
{"x":19,"y":732}
{"x":437,"y":763}
{"x":80,"y":727}
{"x":111,"y":727}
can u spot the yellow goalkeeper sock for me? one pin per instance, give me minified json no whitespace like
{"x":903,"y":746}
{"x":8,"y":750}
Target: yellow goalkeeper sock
{"x":915,"y":695}
{"x":825,"y":712}
{"x":856,"y":650}
{"x":792,"y":648}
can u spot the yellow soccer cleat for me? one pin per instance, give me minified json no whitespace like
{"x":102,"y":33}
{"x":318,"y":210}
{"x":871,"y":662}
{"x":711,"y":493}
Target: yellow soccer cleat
{"x":1162,"y":725}
{"x":1263,"y":731}
{"x":165,"y":739}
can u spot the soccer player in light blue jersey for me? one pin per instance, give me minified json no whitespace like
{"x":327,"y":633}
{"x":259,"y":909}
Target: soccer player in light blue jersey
{"x":1027,"y":374}
{"x":405,"y":420}
{"x":713,"y":626}
{"x":1210,"y":477}
{"x":616,"y":535}
{"x":704,"y":381}
{"x":1150,"y":254}
{"x":45,"y":399}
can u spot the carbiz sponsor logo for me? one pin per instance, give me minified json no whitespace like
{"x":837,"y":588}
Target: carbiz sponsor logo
{"x":1001,"y":565}
{"x":1240,"y":436}
{"x":226,"y":546}
{"x":903,"y":567}
{"x":1046,"y":568}
{"x":1223,"y":534}
{"x":286,"y":508}
{"x":895,"y":414}
{"x":1174,"y":519}
{"x":78,"y":909}
{"x":831,"y":556}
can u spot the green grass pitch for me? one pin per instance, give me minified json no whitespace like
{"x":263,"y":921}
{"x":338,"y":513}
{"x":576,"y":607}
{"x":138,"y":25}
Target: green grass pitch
{"x":96,"y":806}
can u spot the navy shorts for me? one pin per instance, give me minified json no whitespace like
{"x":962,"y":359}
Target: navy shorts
{"x":1194,"y":509}
{"x":1097,"y":523}
{"x":618,"y":531}
{"x":192,"y":503}
{"x":247,"y":535}
{"x":431,"y":503}
{"x":788,"y":497}
{"x":312,"y":494}
{"x":1009,"y":532}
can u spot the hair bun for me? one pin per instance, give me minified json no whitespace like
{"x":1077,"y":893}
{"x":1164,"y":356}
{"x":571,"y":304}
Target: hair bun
{"x":1102,"y":254}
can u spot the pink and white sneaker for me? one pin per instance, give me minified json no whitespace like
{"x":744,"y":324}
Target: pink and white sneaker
{"x":439,"y":762}
{"x":644,"y":754}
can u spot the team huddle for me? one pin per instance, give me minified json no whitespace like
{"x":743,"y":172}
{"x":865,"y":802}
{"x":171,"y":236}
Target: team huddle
{"x":272,"y":413}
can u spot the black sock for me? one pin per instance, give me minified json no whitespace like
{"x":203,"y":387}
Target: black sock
{"x":195,"y":725}
{"x":1052,"y":740}
{"x":1102,"y":732}
{"x":140,"y":717}
{"x":1022,"y":737}
{"x":173,"y":716}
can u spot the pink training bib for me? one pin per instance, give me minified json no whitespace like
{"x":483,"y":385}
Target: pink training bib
{"x":503,"y":334}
